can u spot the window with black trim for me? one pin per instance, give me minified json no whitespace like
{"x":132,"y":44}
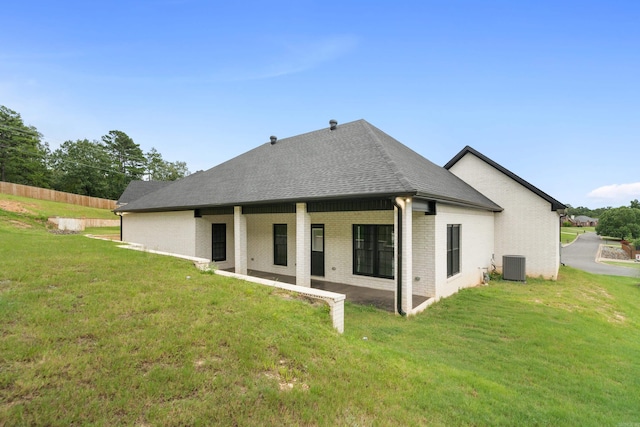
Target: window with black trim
{"x":280,"y":244}
{"x":373,"y":253}
{"x":219,"y":242}
{"x":453,"y":249}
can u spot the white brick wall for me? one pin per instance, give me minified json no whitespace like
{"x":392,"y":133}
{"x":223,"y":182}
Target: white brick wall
{"x":260,"y":242}
{"x":527,"y":226}
{"x":338,"y":232}
{"x":203,"y":238}
{"x":303,"y":246}
{"x":424,"y":252}
{"x":476,"y":247}
{"x":180,"y":232}
{"x":162,"y":231}
{"x":240,"y":240}
{"x":338,"y":244}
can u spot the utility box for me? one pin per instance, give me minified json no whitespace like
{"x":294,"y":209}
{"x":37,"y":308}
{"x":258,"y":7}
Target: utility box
{"x":514,"y":268}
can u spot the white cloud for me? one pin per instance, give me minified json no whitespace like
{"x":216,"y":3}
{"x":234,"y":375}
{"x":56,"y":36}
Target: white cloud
{"x":624,"y":192}
{"x":290,"y":57}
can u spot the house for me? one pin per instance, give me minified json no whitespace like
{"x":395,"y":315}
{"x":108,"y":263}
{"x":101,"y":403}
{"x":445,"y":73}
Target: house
{"x":585,"y":221}
{"x":529,"y":223}
{"x":350,"y":204}
{"x":137,"y":189}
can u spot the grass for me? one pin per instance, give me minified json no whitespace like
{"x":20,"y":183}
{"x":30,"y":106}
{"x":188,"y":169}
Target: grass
{"x":45,"y":208}
{"x":93,"y":334}
{"x":635,"y":265}
{"x":102,"y":231}
{"x":569,"y":234}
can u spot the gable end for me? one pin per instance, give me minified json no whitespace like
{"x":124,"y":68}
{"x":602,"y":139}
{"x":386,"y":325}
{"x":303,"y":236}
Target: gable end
{"x":555,"y":204}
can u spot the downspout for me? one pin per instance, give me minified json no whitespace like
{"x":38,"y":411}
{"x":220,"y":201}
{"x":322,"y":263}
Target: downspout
{"x":120,"y":217}
{"x":399,"y":269}
{"x":562,"y":215}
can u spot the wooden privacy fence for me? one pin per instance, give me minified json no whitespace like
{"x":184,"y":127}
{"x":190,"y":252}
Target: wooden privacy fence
{"x":55,"y":196}
{"x":631,"y":250}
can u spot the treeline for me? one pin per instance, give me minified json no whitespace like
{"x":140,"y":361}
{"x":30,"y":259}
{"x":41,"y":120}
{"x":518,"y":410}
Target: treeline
{"x":622,"y":222}
{"x":92,"y":168}
{"x":581,"y":210}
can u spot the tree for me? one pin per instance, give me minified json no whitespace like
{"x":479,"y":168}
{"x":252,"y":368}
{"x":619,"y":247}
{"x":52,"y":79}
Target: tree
{"x":622,"y":222}
{"x":22,"y":154}
{"x":177,"y":170}
{"x":128,"y":161}
{"x":635,"y":204}
{"x":82,"y":167}
{"x":582,"y":210}
{"x":160,"y":170}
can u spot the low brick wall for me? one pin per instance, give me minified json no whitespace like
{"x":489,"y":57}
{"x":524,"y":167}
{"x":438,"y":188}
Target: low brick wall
{"x":335,"y":300}
{"x":79,"y":224}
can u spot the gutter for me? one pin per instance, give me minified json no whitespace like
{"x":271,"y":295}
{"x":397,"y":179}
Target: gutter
{"x":399,"y":261}
{"x":176,"y":208}
{"x":456,"y":202}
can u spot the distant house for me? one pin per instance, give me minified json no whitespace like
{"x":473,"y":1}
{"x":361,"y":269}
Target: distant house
{"x":585,"y":221}
{"x":350,"y":204}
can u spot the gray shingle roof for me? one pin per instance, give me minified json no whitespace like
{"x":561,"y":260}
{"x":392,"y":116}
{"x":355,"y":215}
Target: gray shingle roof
{"x":584,"y":218}
{"x":353,"y":161}
{"x":138,"y":189}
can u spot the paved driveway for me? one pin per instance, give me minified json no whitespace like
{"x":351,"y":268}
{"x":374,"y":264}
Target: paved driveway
{"x":582,"y":254}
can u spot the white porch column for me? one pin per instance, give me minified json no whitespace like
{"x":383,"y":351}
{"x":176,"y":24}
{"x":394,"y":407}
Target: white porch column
{"x":240,"y":240}
{"x":407,"y":256}
{"x":406,"y":252}
{"x":303,"y":246}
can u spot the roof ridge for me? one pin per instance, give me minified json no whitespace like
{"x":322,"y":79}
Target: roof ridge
{"x":403,"y":180}
{"x":285,"y":138}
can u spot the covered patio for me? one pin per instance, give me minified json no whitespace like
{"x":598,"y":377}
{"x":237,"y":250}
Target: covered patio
{"x":384,"y":300}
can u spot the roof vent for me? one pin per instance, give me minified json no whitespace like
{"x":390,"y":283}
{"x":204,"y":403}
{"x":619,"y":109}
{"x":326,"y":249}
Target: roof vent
{"x":333,"y":124}
{"x":273,"y":139}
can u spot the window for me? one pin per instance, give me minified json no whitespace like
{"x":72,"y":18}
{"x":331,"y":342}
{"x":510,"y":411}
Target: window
{"x":453,"y":249}
{"x":280,"y":244}
{"x":373,"y":250}
{"x":218,"y":242}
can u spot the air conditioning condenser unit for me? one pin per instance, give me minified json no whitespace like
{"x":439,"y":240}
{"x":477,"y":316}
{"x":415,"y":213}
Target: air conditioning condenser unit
{"x":513,"y":268}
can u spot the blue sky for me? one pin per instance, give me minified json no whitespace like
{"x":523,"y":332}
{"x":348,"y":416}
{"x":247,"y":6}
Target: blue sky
{"x":548,"y":89}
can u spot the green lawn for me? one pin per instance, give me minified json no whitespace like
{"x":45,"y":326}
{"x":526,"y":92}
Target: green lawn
{"x":93,"y":334}
{"x":569,"y":234}
{"x":99,"y":231}
{"x":624,"y":264}
{"x":45,"y":208}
